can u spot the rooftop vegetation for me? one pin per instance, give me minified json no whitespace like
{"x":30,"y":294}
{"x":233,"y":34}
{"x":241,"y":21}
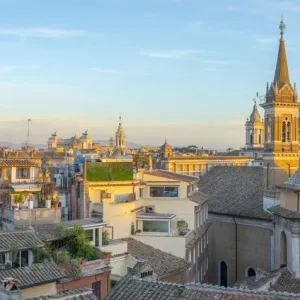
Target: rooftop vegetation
{"x":112,"y":171}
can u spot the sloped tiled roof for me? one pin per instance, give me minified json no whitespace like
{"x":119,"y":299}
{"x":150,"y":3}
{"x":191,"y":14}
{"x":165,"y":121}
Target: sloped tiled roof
{"x":172,"y":176}
{"x":281,"y":281}
{"x":35,"y":274}
{"x":136,"y":289}
{"x":80,"y":294}
{"x":285,"y":213}
{"x":287,"y":283}
{"x":235,"y":191}
{"x":18,"y":240}
{"x":163,"y":263}
{"x":197,"y":197}
{"x":16,"y":162}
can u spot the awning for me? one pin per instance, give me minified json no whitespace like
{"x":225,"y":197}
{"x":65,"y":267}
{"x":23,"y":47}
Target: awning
{"x":26,"y":187}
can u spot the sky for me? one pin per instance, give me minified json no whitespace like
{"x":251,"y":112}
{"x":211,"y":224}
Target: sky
{"x":185,"y":70}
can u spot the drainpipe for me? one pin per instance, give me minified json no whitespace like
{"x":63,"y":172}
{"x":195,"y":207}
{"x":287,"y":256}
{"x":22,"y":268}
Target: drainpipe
{"x":268,"y":165}
{"x":236,"y":249}
{"x":112,"y":231}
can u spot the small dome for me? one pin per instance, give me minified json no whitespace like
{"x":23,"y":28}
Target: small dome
{"x":166,"y":146}
{"x":255,"y":116}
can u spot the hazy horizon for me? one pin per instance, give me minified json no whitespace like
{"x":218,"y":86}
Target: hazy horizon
{"x":168,"y":66}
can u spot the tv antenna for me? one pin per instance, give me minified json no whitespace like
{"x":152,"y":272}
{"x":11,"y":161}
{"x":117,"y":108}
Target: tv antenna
{"x":28,"y":132}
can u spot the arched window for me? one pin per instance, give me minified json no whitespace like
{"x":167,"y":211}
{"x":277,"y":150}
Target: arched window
{"x":259,"y":137}
{"x":283,"y":250}
{"x":283,"y":132}
{"x":251,"y":137}
{"x":223,"y":274}
{"x":251,"y":272}
{"x":288,"y":132}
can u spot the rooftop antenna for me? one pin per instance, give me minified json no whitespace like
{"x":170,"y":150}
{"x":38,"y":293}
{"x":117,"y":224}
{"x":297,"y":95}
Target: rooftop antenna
{"x":28,"y":132}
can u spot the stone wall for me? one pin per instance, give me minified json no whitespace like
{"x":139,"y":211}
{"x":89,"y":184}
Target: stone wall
{"x":253,"y":248}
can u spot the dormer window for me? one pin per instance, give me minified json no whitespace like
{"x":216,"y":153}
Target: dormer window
{"x":146,"y":274}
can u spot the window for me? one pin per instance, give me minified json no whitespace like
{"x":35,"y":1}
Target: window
{"x":206,"y":237}
{"x":201,"y":245}
{"x":201,"y":276}
{"x":129,"y":270}
{"x":23,"y":173}
{"x":155,"y":226}
{"x":286,"y":130}
{"x":145,"y":274}
{"x":283,"y":250}
{"x":141,"y":193}
{"x":96,"y":286}
{"x":89,"y":234}
{"x":164,"y":191}
{"x":223,"y":274}
{"x":24,"y":258}
{"x":251,"y":272}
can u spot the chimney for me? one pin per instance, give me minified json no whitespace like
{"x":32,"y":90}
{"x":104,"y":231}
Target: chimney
{"x":9,"y":289}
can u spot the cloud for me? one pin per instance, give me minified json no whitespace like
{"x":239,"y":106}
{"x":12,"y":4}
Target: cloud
{"x":170,"y":53}
{"x":43,"y":32}
{"x":11,"y":68}
{"x":108,"y":71}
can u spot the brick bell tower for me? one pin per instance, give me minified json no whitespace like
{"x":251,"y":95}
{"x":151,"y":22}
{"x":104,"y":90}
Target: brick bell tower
{"x":281,"y":147}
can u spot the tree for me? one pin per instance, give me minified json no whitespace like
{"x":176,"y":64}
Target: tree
{"x":76,"y":242}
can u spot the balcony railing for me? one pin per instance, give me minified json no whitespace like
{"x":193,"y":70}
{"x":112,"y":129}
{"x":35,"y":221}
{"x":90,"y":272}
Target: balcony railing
{"x":122,"y":198}
{"x":31,"y":216}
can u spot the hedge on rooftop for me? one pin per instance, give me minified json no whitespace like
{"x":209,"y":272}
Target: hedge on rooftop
{"x":112,"y":171}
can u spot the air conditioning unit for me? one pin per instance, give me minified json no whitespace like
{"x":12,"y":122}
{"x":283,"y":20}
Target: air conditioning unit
{"x":150,"y":209}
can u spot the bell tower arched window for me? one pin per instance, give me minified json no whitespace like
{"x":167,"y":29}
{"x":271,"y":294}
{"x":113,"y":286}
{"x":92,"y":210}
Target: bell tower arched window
{"x":251,"y":137}
{"x":283,"y":132}
{"x":286,"y":130}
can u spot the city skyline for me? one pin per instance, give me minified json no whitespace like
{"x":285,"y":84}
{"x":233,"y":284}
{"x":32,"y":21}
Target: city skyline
{"x":171,"y":69}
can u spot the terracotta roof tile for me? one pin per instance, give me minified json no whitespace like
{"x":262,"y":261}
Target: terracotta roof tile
{"x":20,"y":240}
{"x":235,"y":191}
{"x":80,"y":294}
{"x":172,"y":176}
{"x":34,"y":275}
{"x":16,"y":162}
{"x":136,"y":289}
{"x":163,"y":263}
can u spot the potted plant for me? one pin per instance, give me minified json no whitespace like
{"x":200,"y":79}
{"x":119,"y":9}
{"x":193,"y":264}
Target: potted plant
{"x":30,"y":202}
{"x":55,"y":201}
{"x":182,"y":227}
{"x":19,"y":199}
{"x":106,"y":256}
